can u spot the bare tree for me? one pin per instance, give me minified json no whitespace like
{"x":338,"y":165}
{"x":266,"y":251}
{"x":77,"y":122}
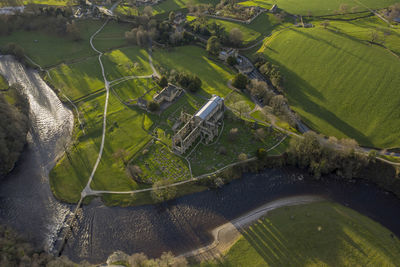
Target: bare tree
{"x":148,"y":11}
{"x":236,"y":36}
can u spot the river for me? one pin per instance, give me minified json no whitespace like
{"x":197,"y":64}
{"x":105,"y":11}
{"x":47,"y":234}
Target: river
{"x":27,"y":204}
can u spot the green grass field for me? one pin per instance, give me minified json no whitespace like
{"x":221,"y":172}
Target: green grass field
{"x":261,"y":26}
{"x":82,"y":78}
{"x":340,"y":85}
{"x":260,"y":3}
{"x":51,"y":2}
{"x":195,"y":60}
{"x":318,"y":234}
{"x":49,"y":50}
{"x":130,"y":90}
{"x":170,"y":5}
{"x":124,"y":131}
{"x":362,"y":29}
{"x":318,"y":7}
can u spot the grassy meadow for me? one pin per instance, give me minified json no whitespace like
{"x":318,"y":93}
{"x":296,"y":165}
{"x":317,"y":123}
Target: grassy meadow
{"x":50,"y":49}
{"x":82,"y":78}
{"x":195,"y":60}
{"x":340,"y":85}
{"x":318,"y":234}
{"x":318,"y":7}
{"x":125,"y":130}
{"x":261,"y":26}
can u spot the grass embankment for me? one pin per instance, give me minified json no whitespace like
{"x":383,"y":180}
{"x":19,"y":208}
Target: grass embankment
{"x":83,"y":78}
{"x":340,"y":85}
{"x":318,"y":7}
{"x":318,"y":234}
{"x":50,"y":49}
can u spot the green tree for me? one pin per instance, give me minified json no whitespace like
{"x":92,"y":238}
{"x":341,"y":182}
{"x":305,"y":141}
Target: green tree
{"x":240,"y":81}
{"x":171,"y":16}
{"x":163,"y":82}
{"x":213,"y":45}
{"x":162,"y":191}
{"x":153,"y":106}
{"x":236,"y":36}
{"x":231,"y":60}
{"x":261,"y":153}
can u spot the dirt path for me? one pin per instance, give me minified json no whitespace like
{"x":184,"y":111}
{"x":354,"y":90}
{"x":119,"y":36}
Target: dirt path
{"x":227,"y":234}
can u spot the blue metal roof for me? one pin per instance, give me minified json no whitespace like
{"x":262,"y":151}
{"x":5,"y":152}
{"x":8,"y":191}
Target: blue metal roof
{"x":208,"y":107}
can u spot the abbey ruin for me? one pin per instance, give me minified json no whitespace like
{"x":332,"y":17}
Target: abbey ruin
{"x":204,"y":123}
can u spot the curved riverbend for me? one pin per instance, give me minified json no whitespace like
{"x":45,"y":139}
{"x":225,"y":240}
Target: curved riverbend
{"x":27,"y":204}
{"x":26,"y":201}
{"x":185,"y":224}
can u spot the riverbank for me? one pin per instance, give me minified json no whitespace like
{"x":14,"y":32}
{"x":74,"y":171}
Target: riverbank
{"x":319,"y":233}
{"x":228,"y":234}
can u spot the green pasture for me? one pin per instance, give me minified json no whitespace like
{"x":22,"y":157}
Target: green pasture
{"x":130,"y":90}
{"x":340,"y":85}
{"x":172,"y":5}
{"x":49,"y":49}
{"x":318,"y":234}
{"x":193,"y":59}
{"x":208,"y":158}
{"x":259,"y":27}
{"x":318,"y":7}
{"x":126,"y":129}
{"x":51,"y":2}
{"x":363,"y":29}
{"x":129,"y":61}
{"x":84,"y":77}
{"x":260,"y":3}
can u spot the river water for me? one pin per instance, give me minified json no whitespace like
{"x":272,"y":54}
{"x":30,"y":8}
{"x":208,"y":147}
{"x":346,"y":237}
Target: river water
{"x":27,"y":204}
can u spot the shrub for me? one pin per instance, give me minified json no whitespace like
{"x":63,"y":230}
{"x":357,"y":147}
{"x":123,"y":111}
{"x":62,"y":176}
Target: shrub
{"x":233,"y":133}
{"x":163,"y":82}
{"x":213,"y":45}
{"x":261,"y":153}
{"x":242,"y":157}
{"x":231,"y":60}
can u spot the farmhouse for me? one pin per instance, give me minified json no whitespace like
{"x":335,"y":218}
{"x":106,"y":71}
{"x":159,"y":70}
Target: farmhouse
{"x":204,"y":124}
{"x":224,"y":54}
{"x":167,"y":94}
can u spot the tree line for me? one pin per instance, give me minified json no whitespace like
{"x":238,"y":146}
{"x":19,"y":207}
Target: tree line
{"x":51,"y":20}
{"x":14,"y":126}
